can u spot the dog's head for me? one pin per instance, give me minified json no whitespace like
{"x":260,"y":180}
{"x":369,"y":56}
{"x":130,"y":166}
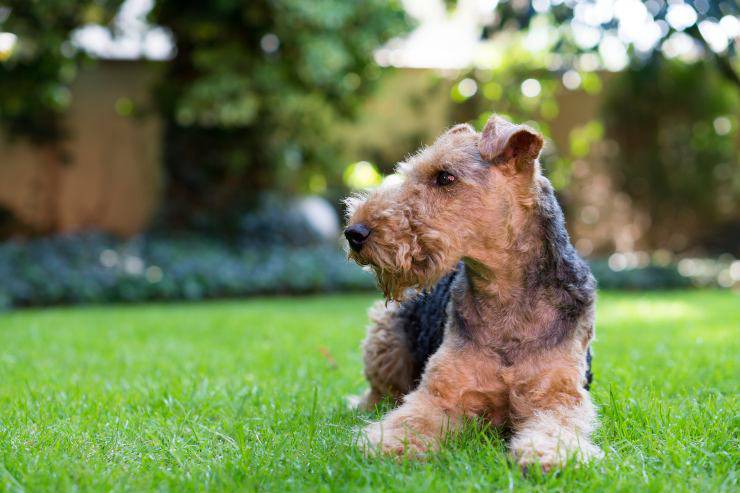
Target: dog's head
{"x":457,"y":199}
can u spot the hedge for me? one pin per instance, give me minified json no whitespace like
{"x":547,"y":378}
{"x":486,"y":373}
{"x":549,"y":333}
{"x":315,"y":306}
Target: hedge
{"x":95,"y":268}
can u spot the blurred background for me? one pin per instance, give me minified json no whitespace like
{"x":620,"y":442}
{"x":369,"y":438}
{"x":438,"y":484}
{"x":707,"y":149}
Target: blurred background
{"x":171,"y":149}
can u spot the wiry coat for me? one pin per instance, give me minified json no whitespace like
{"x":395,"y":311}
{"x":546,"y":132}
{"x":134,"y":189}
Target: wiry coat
{"x":504,"y":316}
{"x":423,"y":317}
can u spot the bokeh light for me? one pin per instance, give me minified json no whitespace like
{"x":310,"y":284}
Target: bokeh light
{"x":7,"y":44}
{"x":531,"y":88}
{"x":362,"y":175}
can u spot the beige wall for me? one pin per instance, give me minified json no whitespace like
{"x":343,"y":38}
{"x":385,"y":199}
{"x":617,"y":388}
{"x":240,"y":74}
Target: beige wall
{"x":110,"y":177}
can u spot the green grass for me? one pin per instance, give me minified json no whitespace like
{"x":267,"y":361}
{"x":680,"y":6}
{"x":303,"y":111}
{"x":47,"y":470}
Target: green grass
{"x":249,"y":395}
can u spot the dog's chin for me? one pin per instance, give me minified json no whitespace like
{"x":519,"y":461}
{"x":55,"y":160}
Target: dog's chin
{"x":394,"y":284}
{"x":400,"y":282}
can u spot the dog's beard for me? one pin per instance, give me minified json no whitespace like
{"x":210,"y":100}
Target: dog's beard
{"x":398,"y":274}
{"x":395,"y":285}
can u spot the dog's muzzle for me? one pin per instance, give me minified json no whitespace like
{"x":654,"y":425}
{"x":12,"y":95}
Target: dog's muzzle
{"x":357,"y":235}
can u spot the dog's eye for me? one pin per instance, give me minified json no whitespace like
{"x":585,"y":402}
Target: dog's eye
{"x":444,"y":179}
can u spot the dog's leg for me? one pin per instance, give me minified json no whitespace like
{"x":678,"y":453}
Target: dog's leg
{"x":437,"y":407}
{"x":389,"y":365}
{"x":413,"y":428}
{"x":554,"y":426}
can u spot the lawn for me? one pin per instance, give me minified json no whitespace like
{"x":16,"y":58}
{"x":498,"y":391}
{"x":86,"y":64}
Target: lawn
{"x":250,"y":395}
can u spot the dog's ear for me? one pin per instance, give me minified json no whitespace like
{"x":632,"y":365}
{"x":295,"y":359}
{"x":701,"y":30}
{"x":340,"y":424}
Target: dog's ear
{"x":461,"y":127}
{"x":512,"y":147}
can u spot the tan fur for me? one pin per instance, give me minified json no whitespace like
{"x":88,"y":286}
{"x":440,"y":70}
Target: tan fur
{"x":542,"y":399}
{"x":504,"y":372}
{"x":388,"y":363}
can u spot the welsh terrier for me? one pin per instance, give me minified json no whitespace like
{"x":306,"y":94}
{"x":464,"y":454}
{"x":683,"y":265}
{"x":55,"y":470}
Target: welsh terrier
{"x":489,"y":310}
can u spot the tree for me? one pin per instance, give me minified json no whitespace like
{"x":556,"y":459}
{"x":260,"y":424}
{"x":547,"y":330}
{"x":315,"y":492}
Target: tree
{"x":251,"y":96}
{"x":39,"y":62}
{"x":666,"y":135}
{"x":677,"y":162}
{"x":641,"y":29}
{"x":248,"y":100}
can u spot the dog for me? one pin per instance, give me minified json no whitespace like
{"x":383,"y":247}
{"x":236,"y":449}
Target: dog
{"x":489,"y":310}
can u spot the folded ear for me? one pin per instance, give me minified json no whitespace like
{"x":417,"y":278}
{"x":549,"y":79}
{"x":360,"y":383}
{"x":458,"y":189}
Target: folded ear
{"x":503,"y":143}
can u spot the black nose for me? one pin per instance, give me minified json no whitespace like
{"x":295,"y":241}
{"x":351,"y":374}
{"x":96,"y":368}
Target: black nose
{"x":356,"y":235}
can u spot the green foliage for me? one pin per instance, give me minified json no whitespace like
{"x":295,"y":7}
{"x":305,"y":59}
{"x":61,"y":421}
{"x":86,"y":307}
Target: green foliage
{"x":249,"y":99}
{"x":35,"y":76}
{"x":254,"y":91}
{"x":650,"y":277}
{"x":273,"y":255}
{"x":98,"y":269}
{"x":502,"y":88}
{"x":676,"y":125}
{"x":250,"y":396}
{"x":523,"y":16}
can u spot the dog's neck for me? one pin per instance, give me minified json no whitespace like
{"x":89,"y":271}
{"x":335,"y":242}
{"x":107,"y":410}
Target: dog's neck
{"x":497,"y":284}
{"x":492,"y":302}
{"x":497,"y":269}
{"x":529,"y":291}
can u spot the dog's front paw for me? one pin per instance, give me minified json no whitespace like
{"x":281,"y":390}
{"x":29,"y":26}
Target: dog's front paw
{"x":553,"y":454}
{"x":381,"y":439}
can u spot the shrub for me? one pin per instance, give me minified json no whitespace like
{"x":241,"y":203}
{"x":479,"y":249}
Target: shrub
{"x":266,"y":257}
{"x":253,"y":94}
{"x":95,"y":268}
{"x":644,"y":278}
